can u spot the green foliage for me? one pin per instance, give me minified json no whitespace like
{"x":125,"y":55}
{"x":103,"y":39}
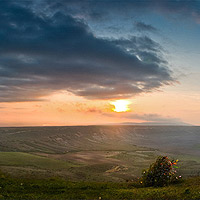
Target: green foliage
{"x":160,"y":173}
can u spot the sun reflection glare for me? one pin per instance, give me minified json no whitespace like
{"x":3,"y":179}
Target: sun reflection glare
{"x":121,"y":105}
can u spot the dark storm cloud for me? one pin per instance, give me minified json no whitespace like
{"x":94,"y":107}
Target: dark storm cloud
{"x":145,"y":48}
{"x":134,"y":43}
{"x":42,"y":53}
{"x":141,"y":26}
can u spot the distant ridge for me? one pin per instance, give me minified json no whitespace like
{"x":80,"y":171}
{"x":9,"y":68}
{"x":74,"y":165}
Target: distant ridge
{"x":153,"y":124}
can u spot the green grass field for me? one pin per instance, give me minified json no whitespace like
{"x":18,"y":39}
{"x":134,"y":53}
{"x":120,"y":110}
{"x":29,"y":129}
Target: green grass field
{"x":98,"y":166}
{"x":21,"y":164}
{"x":55,"y":188}
{"x":20,"y":159}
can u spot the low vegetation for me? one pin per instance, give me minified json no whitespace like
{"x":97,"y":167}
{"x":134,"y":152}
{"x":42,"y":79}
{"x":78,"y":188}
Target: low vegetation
{"x":161,"y":173}
{"x":55,"y":188}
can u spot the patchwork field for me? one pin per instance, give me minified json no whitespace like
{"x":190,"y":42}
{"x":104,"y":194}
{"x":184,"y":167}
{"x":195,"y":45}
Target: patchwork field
{"x":96,"y":153}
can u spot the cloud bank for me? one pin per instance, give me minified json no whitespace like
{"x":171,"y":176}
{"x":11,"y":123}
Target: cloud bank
{"x":99,"y":10}
{"x":43,"y":53}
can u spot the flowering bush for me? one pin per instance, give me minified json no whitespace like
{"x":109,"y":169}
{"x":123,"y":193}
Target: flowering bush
{"x":160,"y":173}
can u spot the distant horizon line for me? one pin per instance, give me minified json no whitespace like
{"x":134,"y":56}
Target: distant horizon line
{"x":139,"y":124}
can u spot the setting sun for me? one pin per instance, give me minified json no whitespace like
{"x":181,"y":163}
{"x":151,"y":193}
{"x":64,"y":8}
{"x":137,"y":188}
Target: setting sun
{"x":121,"y":105}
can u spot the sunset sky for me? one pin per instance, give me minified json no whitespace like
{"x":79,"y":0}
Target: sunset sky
{"x":99,"y":62}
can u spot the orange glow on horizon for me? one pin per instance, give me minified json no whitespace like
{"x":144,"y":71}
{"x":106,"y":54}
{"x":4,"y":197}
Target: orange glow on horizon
{"x":65,"y":109}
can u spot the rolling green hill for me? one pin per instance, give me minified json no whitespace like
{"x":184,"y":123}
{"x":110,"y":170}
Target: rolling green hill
{"x":96,"y":153}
